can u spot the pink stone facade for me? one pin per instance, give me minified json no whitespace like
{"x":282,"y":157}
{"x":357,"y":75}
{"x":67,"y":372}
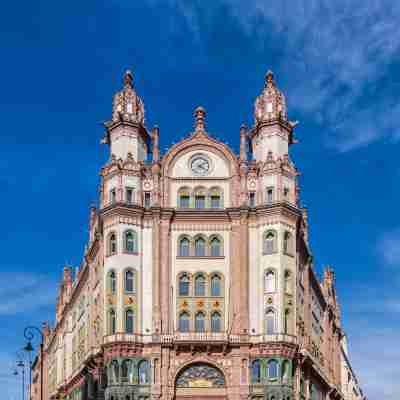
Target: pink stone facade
{"x":197,"y":279}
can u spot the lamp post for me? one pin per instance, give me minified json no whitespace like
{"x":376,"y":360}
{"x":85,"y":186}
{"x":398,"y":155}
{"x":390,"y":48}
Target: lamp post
{"x":21,"y":364}
{"x":29,"y":334}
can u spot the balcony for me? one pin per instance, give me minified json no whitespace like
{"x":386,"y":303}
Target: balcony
{"x":277,"y":337}
{"x":199,"y":337}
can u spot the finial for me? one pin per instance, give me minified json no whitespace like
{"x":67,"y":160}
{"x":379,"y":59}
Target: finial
{"x":269,"y":78}
{"x":128,"y":78}
{"x":199,"y":115}
{"x":243,"y":130}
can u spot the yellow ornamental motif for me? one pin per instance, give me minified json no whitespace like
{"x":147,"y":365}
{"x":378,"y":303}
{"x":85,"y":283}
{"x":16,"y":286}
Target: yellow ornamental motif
{"x":200,"y":383}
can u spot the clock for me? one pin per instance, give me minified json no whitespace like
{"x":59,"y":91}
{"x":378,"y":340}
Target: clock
{"x":200,"y":165}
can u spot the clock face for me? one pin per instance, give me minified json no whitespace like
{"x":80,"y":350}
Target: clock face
{"x":200,"y":165}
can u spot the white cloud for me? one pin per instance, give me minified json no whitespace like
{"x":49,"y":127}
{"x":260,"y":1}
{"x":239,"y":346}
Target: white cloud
{"x":21,"y":292}
{"x":334,"y":56}
{"x":389,"y":248}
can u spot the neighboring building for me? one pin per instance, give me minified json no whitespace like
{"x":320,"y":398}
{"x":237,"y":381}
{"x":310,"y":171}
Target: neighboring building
{"x":197,"y":280}
{"x":350,"y":386}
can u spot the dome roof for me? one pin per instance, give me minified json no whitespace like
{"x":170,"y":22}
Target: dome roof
{"x":127,"y":105}
{"x":270,"y":105}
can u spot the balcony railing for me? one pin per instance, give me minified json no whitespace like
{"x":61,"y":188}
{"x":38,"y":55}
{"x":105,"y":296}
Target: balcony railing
{"x":199,"y":337}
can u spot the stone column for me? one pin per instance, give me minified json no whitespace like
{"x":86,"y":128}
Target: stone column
{"x":235,"y":274}
{"x":165,"y":279}
{"x":244,"y":271}
{"x":156,"y":271}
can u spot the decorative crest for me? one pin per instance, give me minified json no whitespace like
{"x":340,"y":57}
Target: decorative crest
{"x":199,"y":115}
{"x":128,"y":78}
{"x":269,"y":79}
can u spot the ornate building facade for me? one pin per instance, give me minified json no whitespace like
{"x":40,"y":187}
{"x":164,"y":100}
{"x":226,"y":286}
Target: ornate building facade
{"x":197,"y":279}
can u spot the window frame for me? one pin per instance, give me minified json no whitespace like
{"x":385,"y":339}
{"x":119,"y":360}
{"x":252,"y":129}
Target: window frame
{"x":134,"y":239}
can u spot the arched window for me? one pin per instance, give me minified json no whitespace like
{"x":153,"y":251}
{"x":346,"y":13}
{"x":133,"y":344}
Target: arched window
{"x":113,"y":196}
{"x":269,"y":282}
{"x":215,"y":198}
{"x":112,"y":282}
{"x":200,"y":322}
{"x":269,"y":195}
{"x":129,"y":321}
{"x":200,"y":198}
{"x":200,"y":285}
{"x":184,"y":285}
{"x":270,"y":322}
{"x":269,"y":242}
{"x":287,"y":243}
{"x":184,"y":198}
{"x":114,"y":367}
{"x":112,"y":244}
{"x":130,"y":242}
{"x":288,"y":282}
{"x":216,"y":285}
{"x":256,"y":371}
{"x":215,"y":245}
{"x":285,"y":371}
{"x":126,"y":371}
{"x":184,"y":247}
{"x":130,"y":281}
{"x":184,"y":320}
{"x":112,"y":322}
{"x":286,"y":321}
{"x":215,"y":322}
{"x":144,"y":372}
{"x":200,"y":247}
{"x":272,"y":368}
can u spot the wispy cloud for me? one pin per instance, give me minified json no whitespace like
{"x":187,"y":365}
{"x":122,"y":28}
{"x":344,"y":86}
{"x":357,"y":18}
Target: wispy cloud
{"x":389,"y":248}
{"x":21,"y":292}
{"x":334,"y":56}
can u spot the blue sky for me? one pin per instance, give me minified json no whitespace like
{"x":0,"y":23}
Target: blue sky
{"x":338,"y":64}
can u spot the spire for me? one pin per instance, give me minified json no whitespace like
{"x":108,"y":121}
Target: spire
{"x":155,"y":138}
{"x":243,"y":138}
{"x":127,"y":105}
{"x":270,"y":105}
{"x":199,"y":114}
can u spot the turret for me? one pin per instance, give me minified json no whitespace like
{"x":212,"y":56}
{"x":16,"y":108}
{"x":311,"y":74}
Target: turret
{"x":272,"y":131}
{"x":125,"y":132}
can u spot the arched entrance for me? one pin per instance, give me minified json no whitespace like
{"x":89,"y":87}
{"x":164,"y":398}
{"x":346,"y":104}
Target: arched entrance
{"x":200,"y":381}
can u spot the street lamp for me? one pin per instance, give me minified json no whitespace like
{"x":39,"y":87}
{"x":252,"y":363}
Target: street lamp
{"x":29,"y":333}
{"x":21,"y":364}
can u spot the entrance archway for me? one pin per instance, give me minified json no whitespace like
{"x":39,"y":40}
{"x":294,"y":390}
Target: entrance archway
{"x":200,"y":381}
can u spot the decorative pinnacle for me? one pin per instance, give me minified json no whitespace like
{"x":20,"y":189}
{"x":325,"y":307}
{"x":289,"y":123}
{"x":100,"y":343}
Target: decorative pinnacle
{"x":269,"y":78}
{"x":199,"y":115}
{"x":128,"y":78}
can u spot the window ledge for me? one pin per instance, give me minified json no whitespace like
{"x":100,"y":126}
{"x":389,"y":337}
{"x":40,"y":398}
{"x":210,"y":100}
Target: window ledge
{"x":201,"y":257}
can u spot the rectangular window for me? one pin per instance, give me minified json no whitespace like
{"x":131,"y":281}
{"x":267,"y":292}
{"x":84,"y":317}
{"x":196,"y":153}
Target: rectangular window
{"x":270,"y":195}
{"x":129,"y":195}
{"x":147,"y":199}
{"x":285,"y":192}
{"x":200,"y":202}
{"x":113,"y":196}
{"x":252,"y":199}
{"x":184,"y":201}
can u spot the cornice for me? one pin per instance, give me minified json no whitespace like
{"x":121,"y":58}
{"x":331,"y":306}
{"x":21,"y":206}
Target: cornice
{"x":111,"y":125}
